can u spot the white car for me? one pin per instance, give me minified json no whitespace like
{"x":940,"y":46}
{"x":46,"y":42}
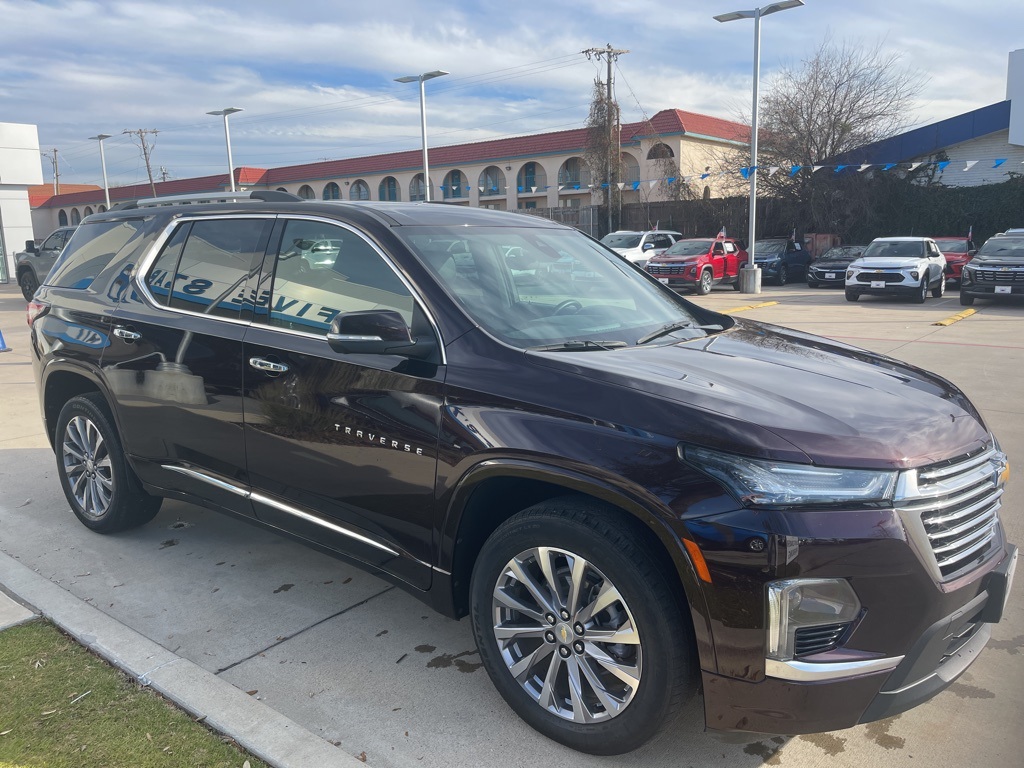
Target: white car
{"x":638,"y":247}
{"x":898,"y":266}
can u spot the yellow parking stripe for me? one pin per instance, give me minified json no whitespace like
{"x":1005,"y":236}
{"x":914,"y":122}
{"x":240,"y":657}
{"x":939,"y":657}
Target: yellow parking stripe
{"x":749,"y":306}
{"x":957,"y":317}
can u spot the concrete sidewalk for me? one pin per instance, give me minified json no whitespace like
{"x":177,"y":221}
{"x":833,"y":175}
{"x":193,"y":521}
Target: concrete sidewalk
{"x":347,"y":659}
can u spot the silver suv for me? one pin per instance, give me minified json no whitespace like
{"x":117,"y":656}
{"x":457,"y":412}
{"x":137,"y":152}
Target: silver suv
{"x":898,"y":266}
{"x":33,"y":264}
{"x":638,"y":247}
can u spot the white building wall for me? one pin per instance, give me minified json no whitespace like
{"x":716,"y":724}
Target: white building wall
{"x":986,"y":150}
{"x":20,"y":167}
{"x":1015,"y":95}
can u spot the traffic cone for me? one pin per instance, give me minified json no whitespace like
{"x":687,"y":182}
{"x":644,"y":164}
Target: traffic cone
{"x":3,"y":346}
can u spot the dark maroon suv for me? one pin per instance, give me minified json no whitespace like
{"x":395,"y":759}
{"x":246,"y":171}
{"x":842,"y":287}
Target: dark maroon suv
{"x":632,"y":498}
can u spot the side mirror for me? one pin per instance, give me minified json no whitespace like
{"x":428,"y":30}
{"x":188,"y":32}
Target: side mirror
{"x":30,"y":246}
{"x":970,"y":253}
{"x":648,"y":246}
{"x":376,"y":332}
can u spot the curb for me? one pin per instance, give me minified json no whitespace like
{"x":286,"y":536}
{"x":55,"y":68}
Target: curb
{"x":745,"y":307}
{"x":256,"y":727}
{"x":957,"y":317}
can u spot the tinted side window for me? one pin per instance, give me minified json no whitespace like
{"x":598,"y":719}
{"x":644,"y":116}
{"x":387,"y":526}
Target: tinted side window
{"x":90,"y":249}
{"x":218,"y":257}
{"x":54,"y":242}
{"x":161,"y":276}
{"x":323,"y":270}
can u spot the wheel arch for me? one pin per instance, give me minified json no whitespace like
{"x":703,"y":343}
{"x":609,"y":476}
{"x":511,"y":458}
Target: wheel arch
{"x":491,"y":492}
{"x":60,"y":384}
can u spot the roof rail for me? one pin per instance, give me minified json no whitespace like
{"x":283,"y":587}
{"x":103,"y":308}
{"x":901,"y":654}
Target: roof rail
{"x":266,"y":196}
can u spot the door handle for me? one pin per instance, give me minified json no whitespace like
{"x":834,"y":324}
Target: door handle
{"x":262,"y":364}
{"x":123,"y":333}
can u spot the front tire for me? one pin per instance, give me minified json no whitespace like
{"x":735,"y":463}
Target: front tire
{"x":852,"y":295}
{"x":922,"y":292}
{"x":28,"y":284}
{"x":812,"y":283}
{"x":940,"y":289}
{"x":100,"y":486}
{"x":783,"y":277}
{"x":703,"y":287}
{"x":579,"y":629}
{"x":965,"y":300}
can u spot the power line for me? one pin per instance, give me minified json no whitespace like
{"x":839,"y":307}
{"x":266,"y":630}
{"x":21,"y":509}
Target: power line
{"x":141,"y":133}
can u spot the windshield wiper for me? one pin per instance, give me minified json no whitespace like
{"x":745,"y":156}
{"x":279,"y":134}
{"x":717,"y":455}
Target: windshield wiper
{"x":586,"y":345}
{"x":667,"y":329}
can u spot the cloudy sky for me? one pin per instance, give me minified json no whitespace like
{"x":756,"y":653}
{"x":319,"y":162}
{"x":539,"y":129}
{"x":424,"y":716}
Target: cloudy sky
{"x":316,"y":78}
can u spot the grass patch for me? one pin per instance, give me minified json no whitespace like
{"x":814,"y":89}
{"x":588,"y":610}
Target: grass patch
{"x":63,"y":707}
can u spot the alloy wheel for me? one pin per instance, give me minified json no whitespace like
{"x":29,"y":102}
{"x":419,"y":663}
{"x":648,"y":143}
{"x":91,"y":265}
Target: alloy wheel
{"x":87,"y":466}
{"x":566,"y":635}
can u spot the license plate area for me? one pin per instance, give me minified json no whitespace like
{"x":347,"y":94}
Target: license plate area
{"x":1004,"y":289}
{"x":878,"y":283}
{"x":830,"y":275}
{"x":663,"y":280}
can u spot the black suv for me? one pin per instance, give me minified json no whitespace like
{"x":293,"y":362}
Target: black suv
{"x":632,"y":497}
{"x":781,"y":259}
{"x":996,"y":271}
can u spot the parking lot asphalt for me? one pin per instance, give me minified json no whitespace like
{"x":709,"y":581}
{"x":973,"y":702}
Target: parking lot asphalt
{"x":362,"y":665}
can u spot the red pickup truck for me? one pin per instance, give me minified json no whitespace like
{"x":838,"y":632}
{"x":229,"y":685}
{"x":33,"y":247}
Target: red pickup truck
{"x":699,"y":263}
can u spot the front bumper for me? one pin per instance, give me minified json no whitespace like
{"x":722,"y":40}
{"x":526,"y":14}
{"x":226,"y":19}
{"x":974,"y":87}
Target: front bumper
{"x":821,"y":276}
{"x":942,"y":652}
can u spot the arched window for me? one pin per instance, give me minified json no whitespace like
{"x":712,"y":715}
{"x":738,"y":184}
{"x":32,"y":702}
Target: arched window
{"x":360,"y":190}
{"x":454,"y":186}
{"x":707,"y":193}
{"x":388,"y":190}
{"x":660,"y":151}
{"x":76,"y":217}
{"x":103,"y":209}
{"x":492,"y":181}
{"x":306,"y":192}
{"x":531,"y":177}
{"x":332,"y":192}
{"x":62,"y":219}
{"x":416,"y":189}
{"x":87,"y":211}
{"x":574,"y":173}
{"x":281,"y":189}
{"x":629,"y":169}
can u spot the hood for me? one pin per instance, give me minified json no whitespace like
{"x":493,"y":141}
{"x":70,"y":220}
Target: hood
{"x":826,"y":402}
{"x":671,"y":258}
{"x":903,"y":262}
{"x":836,"y":264}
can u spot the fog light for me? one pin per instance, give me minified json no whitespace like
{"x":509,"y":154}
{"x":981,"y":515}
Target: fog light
{"x":797,"y":604}
{"x":849,"y":274}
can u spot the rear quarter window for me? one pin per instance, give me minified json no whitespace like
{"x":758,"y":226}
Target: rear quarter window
{"x":89,"y":250}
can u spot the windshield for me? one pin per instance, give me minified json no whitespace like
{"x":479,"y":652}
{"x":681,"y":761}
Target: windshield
{"x":1002,"y":248}
{"x":952,"y":246}
{"x":887,"y":249}
{"x":531,"y":286}
{"x":769,"y":246}
{"x":689,"y":248}
{"x":621,"y":240}
{"x":842,"y":253}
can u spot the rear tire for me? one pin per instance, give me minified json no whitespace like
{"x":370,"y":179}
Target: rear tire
{"x":572,"y":555}
{"x":852,"y":295}
{"x":100,"y":486}
{"x":28,"y":284}
{"x":965,"y":300}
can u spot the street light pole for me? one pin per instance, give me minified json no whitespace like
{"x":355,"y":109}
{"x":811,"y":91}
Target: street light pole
{"x":227,"y":139}
{"x":423,"y":120}
{"x":750,"y":274}
{"x":103,"y":164}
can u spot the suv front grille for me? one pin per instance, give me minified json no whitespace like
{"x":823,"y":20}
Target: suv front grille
{"x":885,"y":277}
{"x":999,"y":275}
{"x":667,"y":269}
{"x":958,"y":504}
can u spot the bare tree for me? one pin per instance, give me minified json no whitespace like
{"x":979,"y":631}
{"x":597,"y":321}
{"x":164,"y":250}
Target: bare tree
{"x":599,"y":155}
{"x":842,"y":97}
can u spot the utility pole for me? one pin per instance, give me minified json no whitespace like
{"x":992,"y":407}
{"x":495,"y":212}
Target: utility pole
{"x":52,"y":157}
{"x":164,"y":175}
{"x":139,"y":139}
{"x":610,"y":55}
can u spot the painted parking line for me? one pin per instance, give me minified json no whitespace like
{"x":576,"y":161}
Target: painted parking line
{"x":956,"y":318}
{"x":749,"y":306}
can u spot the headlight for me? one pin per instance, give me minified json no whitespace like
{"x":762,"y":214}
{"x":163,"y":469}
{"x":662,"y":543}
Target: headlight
{"x":849,"y":274}
{"x":915,"y":275}
{"x":761,"y":482}
{"x":967,"y":275}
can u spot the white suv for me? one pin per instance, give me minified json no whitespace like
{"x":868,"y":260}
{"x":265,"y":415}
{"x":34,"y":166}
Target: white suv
{"x":900,"y":266}
{"x":638,"y":247}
